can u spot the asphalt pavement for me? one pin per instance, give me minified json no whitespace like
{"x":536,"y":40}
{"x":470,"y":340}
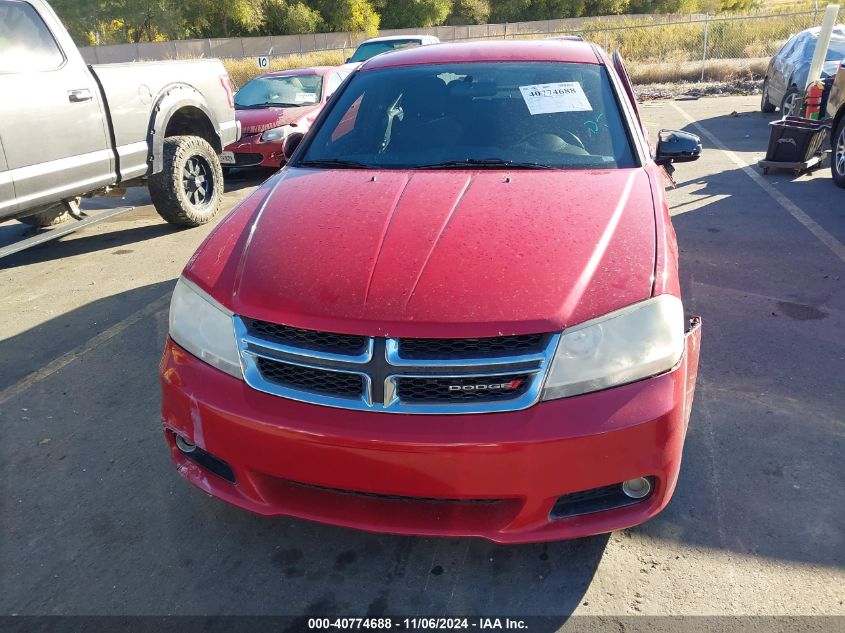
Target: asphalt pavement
{"x":95,"y":520}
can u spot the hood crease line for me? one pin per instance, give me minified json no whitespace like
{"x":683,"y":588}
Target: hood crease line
{"x":384,"y":232}
{"x":443,"y":228}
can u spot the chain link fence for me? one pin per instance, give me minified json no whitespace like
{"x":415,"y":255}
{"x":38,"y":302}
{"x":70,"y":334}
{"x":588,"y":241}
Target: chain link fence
{"x":656,"y":48}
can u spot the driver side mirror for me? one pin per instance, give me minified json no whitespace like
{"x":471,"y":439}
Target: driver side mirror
{"x":674,"y":146}
{"x":348,"y":60}
{"x":292,"y":141}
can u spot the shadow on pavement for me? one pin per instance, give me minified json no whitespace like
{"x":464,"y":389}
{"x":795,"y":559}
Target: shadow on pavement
{"x":765,"y":443}
{"x":87,"y":243}
{"x":12,"y":231}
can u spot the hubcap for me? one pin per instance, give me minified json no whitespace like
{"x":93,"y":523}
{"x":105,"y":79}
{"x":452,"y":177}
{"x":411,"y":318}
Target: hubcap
{"x":840,"y":153}
{"x":196,"y":181}
{"x":789,"y":104}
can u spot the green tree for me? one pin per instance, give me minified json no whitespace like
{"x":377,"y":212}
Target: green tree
{"x":401,"y":14}
{"x":348,"y":15}
{"x":145,"y":19}
{"x":286,"y":17}
{"x":606,"y":7}
{"x":79,"y":17}
{"x":221,"y":18}
{"x":469,"y":12}
{"x":526,"y":10}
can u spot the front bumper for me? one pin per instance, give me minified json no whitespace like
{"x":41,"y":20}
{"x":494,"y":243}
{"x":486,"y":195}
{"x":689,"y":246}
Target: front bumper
{"x":251,"y":151}
{"x":494,"y":475}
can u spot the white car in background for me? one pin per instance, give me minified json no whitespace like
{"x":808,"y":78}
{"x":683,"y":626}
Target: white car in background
{"x":372,"y":47}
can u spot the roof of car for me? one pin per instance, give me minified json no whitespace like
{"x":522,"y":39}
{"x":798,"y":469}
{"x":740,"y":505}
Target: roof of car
{"x":489,"y":51}
{"x":311,"y":70}
{"x":837,"y":33}
{"x":390,"y":38}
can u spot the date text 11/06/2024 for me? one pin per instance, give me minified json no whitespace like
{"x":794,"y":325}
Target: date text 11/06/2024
{"x":412,"y":624}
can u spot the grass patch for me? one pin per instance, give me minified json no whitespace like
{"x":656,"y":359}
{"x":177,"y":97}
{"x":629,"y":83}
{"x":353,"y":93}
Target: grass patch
{"x":242,"y":70}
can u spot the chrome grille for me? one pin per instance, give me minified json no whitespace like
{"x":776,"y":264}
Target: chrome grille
{"x":307,"y":339}
{"x":310,"y":379}
{"x":434,"y":348}
{"x":394,"y":375}
{"x":462,"y":389}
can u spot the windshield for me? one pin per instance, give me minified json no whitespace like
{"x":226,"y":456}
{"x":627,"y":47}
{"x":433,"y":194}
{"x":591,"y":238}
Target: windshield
{"x":475,"y":115}
{"x":371,"y":49}
{"x":836,"y":50}
{"x":297,"y":90}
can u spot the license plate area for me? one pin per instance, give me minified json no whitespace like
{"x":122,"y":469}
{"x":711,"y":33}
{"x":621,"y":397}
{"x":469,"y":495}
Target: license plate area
{"x":227,"y":158}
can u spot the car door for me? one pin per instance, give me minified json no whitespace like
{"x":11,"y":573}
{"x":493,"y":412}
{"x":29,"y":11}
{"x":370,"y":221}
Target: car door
{"x":8,"y":204}
{"x":778,"y":79}
{"x":52,"y":121}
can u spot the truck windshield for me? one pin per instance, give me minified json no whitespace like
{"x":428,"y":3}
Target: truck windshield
{"x":289,"y":91}
{"x":533,"y":115}
{"x":371,"y":49}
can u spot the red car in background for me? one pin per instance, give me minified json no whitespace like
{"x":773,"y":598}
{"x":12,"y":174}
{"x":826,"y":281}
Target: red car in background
{"x":272,"y":106}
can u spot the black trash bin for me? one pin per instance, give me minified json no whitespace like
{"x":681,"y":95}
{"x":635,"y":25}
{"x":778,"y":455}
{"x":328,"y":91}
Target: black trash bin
{"x":795,"y":140}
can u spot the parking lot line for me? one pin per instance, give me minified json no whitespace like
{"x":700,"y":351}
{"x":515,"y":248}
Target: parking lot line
{"x":790,"y":207}
{"x":65,"y":359}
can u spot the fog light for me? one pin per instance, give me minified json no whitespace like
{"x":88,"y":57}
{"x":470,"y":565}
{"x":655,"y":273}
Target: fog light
{"x":184,"y":445}
{"x":638,"y":488}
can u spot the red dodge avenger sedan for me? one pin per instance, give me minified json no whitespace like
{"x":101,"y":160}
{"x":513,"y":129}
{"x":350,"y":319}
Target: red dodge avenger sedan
{"x":456,"y":310}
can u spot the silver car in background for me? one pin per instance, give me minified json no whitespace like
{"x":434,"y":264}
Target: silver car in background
{"x":786,"y":77}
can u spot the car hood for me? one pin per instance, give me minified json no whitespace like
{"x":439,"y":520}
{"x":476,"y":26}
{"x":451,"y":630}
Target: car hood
{"x":263,"y":119}
{"x":438,"y":253}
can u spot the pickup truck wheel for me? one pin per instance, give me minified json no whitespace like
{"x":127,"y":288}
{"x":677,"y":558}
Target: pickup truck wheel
{"x":837,"y":161}
{"x":188,"y":191}
{"x":49,"y":217}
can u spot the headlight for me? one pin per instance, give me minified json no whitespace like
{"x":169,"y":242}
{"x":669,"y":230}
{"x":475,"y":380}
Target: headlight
{"x":636,"y":342}
{"x":277,"y":133}
{"x":204,"y":328}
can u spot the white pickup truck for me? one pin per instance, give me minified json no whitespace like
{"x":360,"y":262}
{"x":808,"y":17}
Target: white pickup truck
{"x":68,"y":129}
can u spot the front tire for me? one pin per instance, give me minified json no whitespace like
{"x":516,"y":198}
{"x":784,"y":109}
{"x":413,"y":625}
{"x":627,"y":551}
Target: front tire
{"x":837,"y":161}
{"x":765,"y":105}
{"x":790,"y":105}
{"x":188,"y":191}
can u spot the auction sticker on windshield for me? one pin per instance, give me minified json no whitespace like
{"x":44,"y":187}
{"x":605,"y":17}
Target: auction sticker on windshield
{"x":305,"y":97}
{"x":567,"y":96}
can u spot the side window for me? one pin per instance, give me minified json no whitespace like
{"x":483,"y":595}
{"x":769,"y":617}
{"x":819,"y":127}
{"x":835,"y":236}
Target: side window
{"x":334,"y":80}
{"x":26,"y":44}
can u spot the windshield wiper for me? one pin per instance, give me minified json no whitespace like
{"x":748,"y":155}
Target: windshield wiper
{"x":481,"y":163}
{"x":267,"y":104}
{"x":341,"y":163}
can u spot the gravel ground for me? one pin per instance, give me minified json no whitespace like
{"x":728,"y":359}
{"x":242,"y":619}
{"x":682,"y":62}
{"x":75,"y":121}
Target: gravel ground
{"x":739,"y":87}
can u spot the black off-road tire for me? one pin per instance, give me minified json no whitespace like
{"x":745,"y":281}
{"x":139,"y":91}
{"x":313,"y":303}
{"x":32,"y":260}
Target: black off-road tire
{"x":765,"y":105}
{"x":175,"y":190}
{"x":837,"y":158}
{"x":49,"y":217}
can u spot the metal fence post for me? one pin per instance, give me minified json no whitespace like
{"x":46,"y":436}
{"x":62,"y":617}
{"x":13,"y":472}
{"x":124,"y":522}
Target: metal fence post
{"x":704,"y":53}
